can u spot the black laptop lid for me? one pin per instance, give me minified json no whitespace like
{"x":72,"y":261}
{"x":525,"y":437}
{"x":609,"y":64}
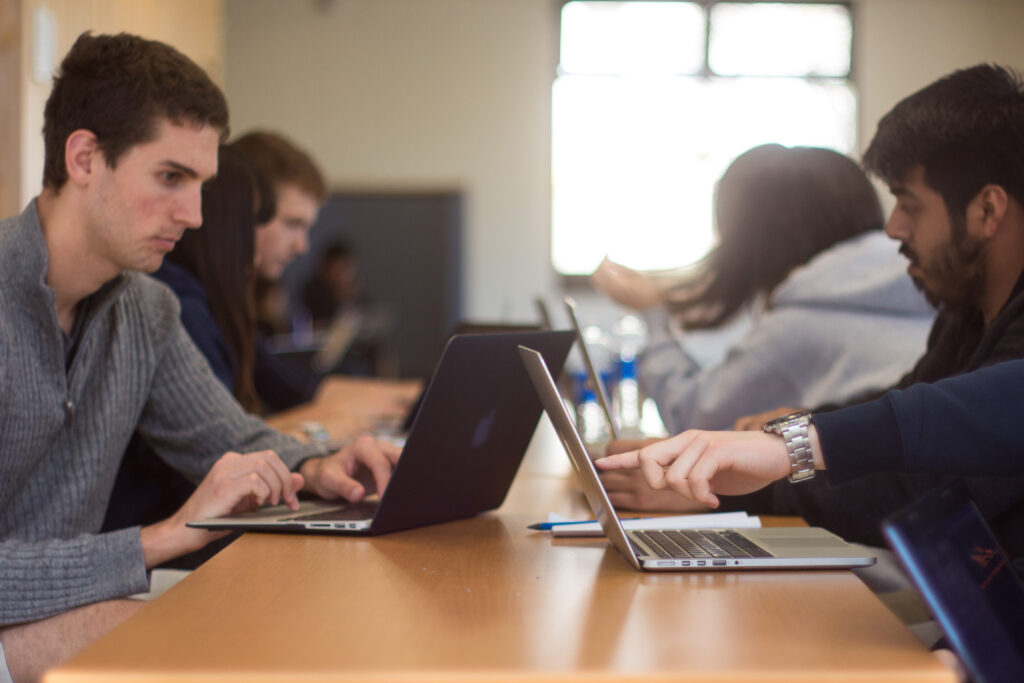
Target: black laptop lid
{"x":477,"y":417}
{"x":966,"y":578}
{"x":462,"y":328}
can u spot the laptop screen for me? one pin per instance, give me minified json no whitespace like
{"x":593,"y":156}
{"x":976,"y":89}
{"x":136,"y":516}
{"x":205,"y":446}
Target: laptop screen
{"x":596,"y":496}
{"x":965,"y":577}
{"x":593,"y":376}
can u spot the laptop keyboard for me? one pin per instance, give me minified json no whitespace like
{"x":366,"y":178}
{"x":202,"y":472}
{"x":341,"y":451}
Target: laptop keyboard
{"x":361,"y":510}
{"x":699,"y":544}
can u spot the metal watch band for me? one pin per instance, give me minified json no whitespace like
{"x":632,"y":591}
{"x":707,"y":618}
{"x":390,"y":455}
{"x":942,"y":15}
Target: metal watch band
{"x":798,"y":446}
{"x":793,"y":429}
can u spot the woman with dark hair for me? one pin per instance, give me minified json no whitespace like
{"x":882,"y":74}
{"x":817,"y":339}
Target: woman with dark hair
{"x":801,"y":249}
{"x":210,"y":271}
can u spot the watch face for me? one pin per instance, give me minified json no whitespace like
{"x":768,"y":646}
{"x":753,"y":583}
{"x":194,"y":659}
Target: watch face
{"x":786,"y":418}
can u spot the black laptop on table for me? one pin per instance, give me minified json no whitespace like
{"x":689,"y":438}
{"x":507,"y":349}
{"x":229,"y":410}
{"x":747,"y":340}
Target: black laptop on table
{"x":477,"y":417}
{"x":966,"y":579}
{"x":465,"y":327}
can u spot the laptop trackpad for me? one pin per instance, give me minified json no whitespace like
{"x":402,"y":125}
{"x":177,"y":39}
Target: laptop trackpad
{"x":342,"y":512}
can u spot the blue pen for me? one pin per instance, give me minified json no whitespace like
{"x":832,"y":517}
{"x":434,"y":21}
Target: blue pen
{"x":548,"y":526}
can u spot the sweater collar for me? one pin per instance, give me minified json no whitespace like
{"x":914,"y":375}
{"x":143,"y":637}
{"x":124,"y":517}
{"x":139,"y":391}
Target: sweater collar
{"x":30,"y":264}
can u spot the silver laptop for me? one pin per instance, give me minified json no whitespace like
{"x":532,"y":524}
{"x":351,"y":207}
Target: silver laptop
{"x":593,"y":377}
{"x":687,"y":549}
{"x":478,"y":415}
{"x":543,"y":313}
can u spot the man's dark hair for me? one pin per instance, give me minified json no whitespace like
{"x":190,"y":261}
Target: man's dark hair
{"x":775,"y":209}
{"x":120,"y":87}
{"x":281,"y":162}
{"x":966,"y":130}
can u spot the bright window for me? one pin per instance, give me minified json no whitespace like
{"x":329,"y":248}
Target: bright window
{"x":652,"y":102}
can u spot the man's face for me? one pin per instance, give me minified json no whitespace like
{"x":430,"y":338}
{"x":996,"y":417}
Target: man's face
{"x":286,"y":235}
{"x":138,"y":210}
{"x":945,"y":264}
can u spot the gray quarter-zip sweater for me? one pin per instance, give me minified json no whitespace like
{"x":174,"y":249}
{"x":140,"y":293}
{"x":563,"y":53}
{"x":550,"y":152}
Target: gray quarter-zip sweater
{"x":64,"y":428}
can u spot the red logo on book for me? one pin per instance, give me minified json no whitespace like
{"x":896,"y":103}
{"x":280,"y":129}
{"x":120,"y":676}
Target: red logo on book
{"x":983,"y":556}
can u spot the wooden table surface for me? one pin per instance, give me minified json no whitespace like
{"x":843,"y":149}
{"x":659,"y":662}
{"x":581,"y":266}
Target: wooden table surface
{"x":485,"y":599}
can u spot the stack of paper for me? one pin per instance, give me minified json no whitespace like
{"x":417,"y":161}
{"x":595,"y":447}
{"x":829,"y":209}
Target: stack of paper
{"x":562,"y":527}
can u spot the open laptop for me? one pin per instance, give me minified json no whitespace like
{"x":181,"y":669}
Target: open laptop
{"x":470,"y":434}
{"x":543,"y":313}
{"x":966,"y":579}
{"x":675,"y":550}
{"x":593,"y":376}
{"x":465,"y":327}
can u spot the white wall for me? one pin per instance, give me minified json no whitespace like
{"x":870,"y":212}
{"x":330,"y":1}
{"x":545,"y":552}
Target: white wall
{"x":456,"y":94}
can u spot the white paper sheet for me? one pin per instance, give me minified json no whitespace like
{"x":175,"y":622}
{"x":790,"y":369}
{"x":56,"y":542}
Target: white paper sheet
{"x":711,"y":520}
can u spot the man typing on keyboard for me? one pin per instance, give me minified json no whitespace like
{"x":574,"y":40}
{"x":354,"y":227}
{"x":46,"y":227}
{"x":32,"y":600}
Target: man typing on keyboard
{"x":94,"y":350}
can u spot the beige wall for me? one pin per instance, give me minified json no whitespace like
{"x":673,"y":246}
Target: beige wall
{"x":193,"y":26}
{"x":10,"y":107}
{"x":456,"y":93}
{"x":418,"y":94}
{"x":903,"y":45}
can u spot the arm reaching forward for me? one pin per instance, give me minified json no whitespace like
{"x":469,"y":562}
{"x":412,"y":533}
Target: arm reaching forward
{"x":699,"y":464}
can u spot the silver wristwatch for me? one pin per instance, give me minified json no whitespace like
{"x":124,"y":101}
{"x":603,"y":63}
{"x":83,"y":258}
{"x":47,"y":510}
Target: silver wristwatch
{"x":793,"y":430}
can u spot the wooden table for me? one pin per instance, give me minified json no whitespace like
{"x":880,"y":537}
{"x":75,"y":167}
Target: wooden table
{"x":346,"y":406}
{"x":485,"y":599}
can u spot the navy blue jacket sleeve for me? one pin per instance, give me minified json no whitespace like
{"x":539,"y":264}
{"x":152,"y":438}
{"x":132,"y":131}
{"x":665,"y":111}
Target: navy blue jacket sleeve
{"x":203,"y":329}
{"x":968,"y":424}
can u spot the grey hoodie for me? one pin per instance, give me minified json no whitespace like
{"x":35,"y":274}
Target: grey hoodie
{"x":847,"y":322}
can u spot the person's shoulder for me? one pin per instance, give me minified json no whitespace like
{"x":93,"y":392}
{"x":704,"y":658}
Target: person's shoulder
{"x":868,"y":253}
{"x":11,"y":223}
{"x":151,"y":302}
{"x":9,"y":262}
{"x":147,"y":289}
{"x":8,"y":228}
{"x":21,"y":248}
{"x":1013,"y":310}
{"x":8,"y":246}
{"x":865,"y":274}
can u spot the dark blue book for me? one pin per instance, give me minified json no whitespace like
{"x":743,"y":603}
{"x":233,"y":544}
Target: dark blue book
{"x":966,"y":579}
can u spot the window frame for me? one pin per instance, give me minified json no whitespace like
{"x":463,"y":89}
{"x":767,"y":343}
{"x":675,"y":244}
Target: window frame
{"x":581,"y":282}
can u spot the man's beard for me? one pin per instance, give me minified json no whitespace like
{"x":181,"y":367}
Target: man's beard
{"x":955,"y":278}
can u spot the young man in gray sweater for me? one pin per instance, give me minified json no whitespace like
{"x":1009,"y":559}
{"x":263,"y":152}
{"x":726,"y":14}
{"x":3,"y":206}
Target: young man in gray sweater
{"x":91,"y":350}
